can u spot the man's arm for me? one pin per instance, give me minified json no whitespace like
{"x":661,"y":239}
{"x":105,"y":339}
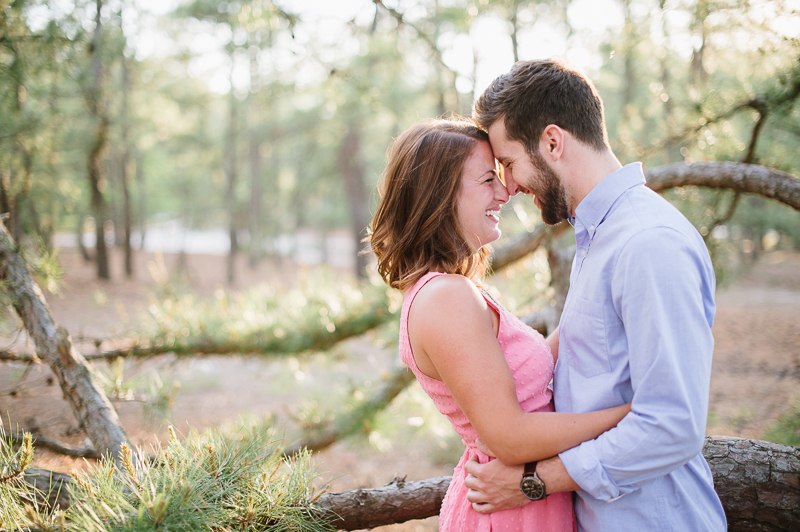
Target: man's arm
{"x":494,"y":486}
{"x":662,"y":288}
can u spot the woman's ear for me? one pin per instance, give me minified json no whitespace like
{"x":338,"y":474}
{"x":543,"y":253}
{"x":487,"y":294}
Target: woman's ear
{"x":551,"y":145}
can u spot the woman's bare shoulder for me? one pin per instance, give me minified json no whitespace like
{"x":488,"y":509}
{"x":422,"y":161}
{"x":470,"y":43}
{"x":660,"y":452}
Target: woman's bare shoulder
{"x":447,"y":297}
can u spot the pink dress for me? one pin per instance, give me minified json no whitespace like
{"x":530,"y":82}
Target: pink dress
{"x":531,"y":364}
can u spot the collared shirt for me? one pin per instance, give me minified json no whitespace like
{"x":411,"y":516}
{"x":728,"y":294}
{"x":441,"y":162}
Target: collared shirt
{"x":636,"y":327}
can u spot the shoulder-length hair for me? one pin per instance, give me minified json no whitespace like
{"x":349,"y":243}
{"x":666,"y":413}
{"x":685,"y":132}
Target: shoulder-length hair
{"x":415,"y":228}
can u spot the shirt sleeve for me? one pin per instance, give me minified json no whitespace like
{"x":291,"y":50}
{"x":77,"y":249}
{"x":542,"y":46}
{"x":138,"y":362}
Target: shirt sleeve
{"x":663,"y":292}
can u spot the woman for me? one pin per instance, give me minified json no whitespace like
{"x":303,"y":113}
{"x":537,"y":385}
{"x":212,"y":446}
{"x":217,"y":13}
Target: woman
{"x":486,"y":371}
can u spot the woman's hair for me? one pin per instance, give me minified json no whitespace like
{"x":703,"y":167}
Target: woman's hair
{"x":415,"y":228}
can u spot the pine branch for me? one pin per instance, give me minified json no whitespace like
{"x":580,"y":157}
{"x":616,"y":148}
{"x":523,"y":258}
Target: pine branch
{"x":361,"y":416}
{"x":267,"y":341}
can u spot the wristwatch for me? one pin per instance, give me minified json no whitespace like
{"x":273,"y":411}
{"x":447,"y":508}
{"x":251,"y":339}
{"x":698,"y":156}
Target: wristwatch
{"x":531,"y":485}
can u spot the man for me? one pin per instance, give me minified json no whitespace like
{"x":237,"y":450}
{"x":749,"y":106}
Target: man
{"x":636,"y":324}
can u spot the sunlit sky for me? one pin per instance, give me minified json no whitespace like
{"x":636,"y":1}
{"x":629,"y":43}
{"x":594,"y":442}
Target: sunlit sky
{"x":323,"y":31}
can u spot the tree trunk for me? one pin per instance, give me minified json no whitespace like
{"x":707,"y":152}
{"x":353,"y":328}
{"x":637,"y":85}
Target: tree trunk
{"x":256,"y":234}
{"x":230,"y":196}
{"x":95,"y":162}
{"x":351,"y":167}
{"x":124,"y":171}
{"x":79,"y":230}
{"x":95,"y":414}
{"x":141,"y":217}
{"x":758,"y":483}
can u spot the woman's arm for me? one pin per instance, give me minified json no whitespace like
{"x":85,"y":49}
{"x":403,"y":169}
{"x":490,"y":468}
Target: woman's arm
{"x":453,"y":339}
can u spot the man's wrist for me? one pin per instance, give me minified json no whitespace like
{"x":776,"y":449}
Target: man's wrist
{"x":555,"y":476}
{"x":531,"y":485}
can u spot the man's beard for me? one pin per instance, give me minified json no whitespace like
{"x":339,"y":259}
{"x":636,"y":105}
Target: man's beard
{"x":552,"y":195}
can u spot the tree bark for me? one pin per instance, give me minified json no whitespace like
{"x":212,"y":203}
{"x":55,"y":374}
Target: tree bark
{"x":396,"y":502}
{"x":95,"y":413}
{"x":758,"y":483}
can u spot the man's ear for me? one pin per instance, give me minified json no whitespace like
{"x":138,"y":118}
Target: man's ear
{"x":551,"y":145}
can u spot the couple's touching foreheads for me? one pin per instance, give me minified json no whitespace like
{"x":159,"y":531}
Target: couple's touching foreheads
{"x":599,"y":426}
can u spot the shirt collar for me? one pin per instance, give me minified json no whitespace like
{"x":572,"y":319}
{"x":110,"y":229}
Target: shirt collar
{"x":594,"y":207}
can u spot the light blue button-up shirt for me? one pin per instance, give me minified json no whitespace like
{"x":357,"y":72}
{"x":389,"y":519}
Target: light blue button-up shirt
{"x":636,"y":327}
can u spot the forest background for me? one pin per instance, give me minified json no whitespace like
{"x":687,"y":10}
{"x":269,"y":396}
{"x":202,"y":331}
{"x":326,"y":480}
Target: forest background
{"x":195,"y":178}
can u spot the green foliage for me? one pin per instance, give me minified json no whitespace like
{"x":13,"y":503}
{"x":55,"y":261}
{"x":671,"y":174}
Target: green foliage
{"x":787,"y":428}
{"x":19,"y":506}
{"x":206,"y":482}
{"x":266,"y":319}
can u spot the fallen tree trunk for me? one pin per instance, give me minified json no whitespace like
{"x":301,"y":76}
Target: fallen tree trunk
{"x":758,"y":483}
{"x":95,"y":413}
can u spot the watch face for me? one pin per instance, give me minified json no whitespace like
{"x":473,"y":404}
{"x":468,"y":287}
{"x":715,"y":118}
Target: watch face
{"x":532,"y":488}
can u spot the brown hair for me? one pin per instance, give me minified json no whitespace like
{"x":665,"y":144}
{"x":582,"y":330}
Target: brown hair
{"x":415,"y":228}
{"x":535,"y":94}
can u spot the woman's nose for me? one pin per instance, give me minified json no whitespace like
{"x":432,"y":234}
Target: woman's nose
{"x":500,"y":192}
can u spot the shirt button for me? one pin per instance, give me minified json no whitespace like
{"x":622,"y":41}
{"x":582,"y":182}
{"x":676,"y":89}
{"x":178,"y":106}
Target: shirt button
{"x":591,"y":228}
{"x":583,"y":253}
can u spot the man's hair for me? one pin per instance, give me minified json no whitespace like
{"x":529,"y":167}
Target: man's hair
{"x":535,"y":94}
{"x":415,"y":228}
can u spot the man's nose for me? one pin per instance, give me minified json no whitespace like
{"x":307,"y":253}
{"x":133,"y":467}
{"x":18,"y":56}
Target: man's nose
{"x":511,"y":186}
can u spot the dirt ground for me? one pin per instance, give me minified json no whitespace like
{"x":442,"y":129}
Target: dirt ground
{"x":756,"y":371}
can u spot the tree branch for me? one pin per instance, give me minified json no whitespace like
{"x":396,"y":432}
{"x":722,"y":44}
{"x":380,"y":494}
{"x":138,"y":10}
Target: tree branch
{"x":264,"y":343}
{"x":355,"y":421}
{"x":56,"y":446}
{"x":523,"y":245}
{"x":739,"y":177}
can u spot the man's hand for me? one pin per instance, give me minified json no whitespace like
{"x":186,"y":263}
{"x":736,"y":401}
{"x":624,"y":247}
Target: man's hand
{"x":493,"y":486}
